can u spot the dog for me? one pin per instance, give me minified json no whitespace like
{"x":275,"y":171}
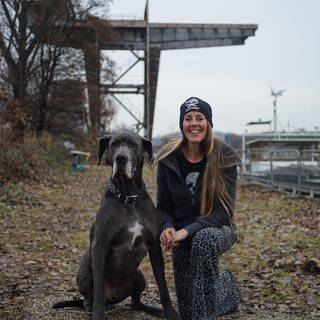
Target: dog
{"x":124,"y":231}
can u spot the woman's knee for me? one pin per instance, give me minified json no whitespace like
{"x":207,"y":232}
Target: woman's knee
{"x":213,"y":240}
{"x":205,"y":240}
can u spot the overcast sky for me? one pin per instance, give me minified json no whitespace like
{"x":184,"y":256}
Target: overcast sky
{"x":236,"y":80}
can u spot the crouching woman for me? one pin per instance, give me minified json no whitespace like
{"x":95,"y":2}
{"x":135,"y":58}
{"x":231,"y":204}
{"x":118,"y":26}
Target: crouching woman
{"x":196,"y":191}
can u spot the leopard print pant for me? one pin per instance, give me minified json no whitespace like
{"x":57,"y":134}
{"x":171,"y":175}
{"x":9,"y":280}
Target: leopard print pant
{"x":202,"y":292}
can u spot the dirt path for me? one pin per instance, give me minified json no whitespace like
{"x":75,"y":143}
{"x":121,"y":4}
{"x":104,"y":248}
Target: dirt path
{"x":45,"y":228}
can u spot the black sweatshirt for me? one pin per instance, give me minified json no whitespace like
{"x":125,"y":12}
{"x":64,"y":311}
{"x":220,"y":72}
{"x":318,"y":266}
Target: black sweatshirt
{"x":176,"y":206}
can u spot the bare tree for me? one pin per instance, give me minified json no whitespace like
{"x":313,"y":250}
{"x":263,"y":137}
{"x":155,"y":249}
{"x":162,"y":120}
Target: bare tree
{"x":67,"y":114}
{"x":33,"y":45}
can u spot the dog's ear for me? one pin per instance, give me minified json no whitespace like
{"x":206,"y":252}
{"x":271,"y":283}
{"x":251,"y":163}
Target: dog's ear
{"x":147,"y":147}
{"x":103,"y":143}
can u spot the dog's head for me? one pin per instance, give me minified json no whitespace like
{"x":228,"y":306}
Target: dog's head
{"x":125,"y":152}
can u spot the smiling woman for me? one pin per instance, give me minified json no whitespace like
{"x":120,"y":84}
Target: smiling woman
{"x":195,"y":200}
{"x":194,"y":127}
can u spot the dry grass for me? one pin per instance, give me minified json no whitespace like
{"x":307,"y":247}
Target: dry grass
{"x":45,"y":226}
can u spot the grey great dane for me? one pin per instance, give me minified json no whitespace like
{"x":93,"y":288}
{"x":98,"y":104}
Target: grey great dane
{"x":124,"y":231}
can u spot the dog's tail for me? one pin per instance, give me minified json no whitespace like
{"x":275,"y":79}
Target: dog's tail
{"x":69,"y":303}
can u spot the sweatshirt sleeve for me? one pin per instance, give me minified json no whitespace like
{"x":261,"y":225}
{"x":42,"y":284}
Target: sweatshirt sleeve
{"x":164,"y":199}
{"x":218,"y":216}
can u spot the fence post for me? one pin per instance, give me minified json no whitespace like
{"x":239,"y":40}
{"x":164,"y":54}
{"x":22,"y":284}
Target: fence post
{"x":299,"y":154}
{"x":249,"y":164}
{"x":271,"y":168}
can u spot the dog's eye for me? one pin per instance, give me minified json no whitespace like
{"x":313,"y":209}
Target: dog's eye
{"x":132,"y":144}
{"x":115,"y":144}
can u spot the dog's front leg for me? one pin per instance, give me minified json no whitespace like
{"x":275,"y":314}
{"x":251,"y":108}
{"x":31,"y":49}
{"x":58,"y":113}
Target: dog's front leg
{"x":98,"y":257}
{"x":157,"y":264}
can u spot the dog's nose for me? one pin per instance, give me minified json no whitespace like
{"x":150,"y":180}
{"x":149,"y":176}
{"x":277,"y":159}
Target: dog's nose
{"x":121,"y":158}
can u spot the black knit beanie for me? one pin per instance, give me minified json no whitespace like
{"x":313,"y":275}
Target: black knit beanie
{"x":195,"y":104}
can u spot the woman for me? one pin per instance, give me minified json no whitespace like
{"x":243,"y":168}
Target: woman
{"x":196,"y":183}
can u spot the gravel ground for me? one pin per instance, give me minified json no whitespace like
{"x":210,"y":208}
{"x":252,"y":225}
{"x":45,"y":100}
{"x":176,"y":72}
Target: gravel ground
{"x":41,"y":309}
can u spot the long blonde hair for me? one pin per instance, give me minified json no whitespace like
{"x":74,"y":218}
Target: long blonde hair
{"x":213,"y":183}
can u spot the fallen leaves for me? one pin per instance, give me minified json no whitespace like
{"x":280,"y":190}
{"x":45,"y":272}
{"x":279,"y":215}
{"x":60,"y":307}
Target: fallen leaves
{"x":311,"y":266}
{"x":45,"y":229}
{"x":278,"y":250}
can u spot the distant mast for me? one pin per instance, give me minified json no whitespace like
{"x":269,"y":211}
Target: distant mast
{"x":275,"y":94}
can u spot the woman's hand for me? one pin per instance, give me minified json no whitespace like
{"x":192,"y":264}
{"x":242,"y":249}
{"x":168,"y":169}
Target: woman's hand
{"x":179,"y":236}
{"x":166,"y":237}
{"x":171,"y":238}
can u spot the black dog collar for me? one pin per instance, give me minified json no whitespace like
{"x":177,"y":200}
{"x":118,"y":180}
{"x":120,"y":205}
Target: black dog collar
{"x":115,"y":193}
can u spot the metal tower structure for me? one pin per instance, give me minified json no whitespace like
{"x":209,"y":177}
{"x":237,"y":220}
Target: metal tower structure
{"x":275,"y":94}
{"x":151,"y":38}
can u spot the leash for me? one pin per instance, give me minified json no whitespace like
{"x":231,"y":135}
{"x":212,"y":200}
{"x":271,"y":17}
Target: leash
{"x":123,"y":198}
